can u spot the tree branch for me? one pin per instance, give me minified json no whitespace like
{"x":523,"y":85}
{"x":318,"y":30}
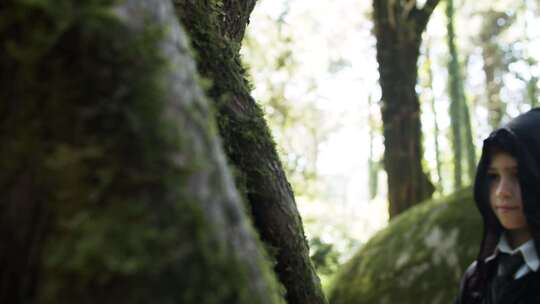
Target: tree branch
{"x":407,"y":8}
{"x":422,"y":15}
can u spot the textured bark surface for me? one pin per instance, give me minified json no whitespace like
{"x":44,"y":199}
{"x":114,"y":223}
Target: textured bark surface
{"x":114,"y":184}
{"x":470,"y":150}
{"x":249,"y":145}
{"x":235,"y":19}
{"x":398,"y":28}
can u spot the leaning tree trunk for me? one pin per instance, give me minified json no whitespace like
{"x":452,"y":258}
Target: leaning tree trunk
{"x":114,"y":186}
{"x":398,"y":28}
{"x":249,"y":144}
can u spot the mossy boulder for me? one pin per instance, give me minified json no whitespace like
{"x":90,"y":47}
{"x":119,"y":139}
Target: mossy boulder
{"x":419,"y":258}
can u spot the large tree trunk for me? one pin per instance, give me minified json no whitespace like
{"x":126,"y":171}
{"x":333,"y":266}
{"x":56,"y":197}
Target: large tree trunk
{"x":114,"y":186}
{"x":398,"y":29}
{"x":249,"y":144}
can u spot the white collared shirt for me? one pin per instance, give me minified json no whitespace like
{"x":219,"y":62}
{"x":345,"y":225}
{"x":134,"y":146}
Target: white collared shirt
{"x":528,"y":250}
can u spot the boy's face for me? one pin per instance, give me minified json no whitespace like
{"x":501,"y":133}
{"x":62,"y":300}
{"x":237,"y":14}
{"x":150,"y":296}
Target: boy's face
{"x":505,"y":191}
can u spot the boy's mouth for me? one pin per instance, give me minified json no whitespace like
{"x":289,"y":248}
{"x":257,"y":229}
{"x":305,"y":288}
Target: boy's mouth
{"x":506,"y":208}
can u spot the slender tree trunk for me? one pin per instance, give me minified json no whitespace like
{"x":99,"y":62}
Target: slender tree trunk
{"x":495,"y":105}
{"x":436,"y":130}
{"x":532,"y":82}
{"x":373,"y":165}
{"x":470,"y":150}
{"x":462,"y":139}
{"x":493,"y":63}
{"x":250,"y":147}
{"x":532,"y":91}
{"x":113,"y":182}
{"x":398,"y":29}
{"x":454,"y":81}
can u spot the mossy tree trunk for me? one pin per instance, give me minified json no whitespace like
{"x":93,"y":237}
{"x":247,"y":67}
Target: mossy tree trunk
{"x":398,"y":28}
{"x":235,"y":17}
{"x":113,"y":182}
{"x":249,"y":144}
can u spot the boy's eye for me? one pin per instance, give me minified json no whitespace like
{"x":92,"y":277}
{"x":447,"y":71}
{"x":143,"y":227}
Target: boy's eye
{"x":492,"y":176}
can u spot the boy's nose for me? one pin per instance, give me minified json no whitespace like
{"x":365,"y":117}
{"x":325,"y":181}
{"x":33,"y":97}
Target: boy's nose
{"x":504,"y":188}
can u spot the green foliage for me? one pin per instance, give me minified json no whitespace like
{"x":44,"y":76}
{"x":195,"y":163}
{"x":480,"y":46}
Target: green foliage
{"x":324,"y":256}
{"x":419,"y":258}
{"x":298,"y":125}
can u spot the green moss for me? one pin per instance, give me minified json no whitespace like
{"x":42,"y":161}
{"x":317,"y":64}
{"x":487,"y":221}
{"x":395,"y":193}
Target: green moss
{"x":239,"y":118}
{"x":419,"y":258}
{"x":81,"y":112}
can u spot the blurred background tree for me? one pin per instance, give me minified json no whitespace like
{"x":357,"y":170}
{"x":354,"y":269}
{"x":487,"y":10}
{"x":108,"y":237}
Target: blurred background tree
{"x":331,"y":68}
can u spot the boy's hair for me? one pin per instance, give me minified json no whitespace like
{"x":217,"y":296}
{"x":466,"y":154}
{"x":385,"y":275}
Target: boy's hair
{"x":500,"y":141}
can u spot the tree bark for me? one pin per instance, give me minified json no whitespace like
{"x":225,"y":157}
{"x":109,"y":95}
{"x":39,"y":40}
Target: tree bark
{"x":235,"y":19}
{"x":114,"y":183}
{"x":250,"y":147}
{"x":398,"y":29}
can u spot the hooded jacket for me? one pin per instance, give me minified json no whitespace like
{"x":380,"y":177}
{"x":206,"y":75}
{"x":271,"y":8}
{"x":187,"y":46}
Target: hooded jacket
{"x":521,"y":139}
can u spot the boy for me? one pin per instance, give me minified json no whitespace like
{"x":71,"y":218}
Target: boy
{"x":507,"y":194}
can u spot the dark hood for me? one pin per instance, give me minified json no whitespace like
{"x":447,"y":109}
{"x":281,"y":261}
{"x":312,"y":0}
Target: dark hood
{"x":521,"y":138}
